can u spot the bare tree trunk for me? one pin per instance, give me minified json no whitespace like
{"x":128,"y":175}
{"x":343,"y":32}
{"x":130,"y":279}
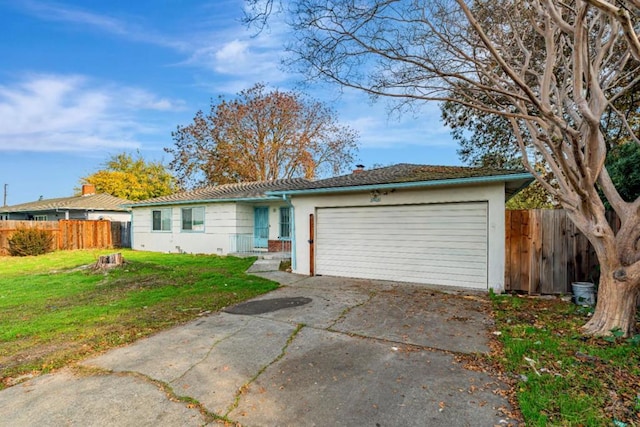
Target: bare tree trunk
{"x":616,"y":306}
{"x":619,"y":286}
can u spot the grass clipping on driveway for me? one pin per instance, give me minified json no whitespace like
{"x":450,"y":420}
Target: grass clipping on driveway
{"x":56,"y":309}
{"x":563,"y":378}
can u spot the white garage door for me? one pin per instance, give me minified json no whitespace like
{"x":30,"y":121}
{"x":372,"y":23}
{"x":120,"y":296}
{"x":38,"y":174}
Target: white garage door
{"x":440,"y":244}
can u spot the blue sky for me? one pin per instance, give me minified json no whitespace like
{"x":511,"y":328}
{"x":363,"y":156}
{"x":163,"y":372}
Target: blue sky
{"x":83,"y":80}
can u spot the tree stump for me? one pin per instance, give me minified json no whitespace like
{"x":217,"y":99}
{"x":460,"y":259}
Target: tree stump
{"x":109,"y":261}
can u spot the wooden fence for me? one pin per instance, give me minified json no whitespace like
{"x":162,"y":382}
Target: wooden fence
{"x":545,"y":252}
{"x":72,"y":234}
{"x":121,"y":234}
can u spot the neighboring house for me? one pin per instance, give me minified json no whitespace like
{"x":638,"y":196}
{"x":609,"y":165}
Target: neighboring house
{"x":230,"y":218}
{"x":440,"y":225}
{"x":89,"y":205}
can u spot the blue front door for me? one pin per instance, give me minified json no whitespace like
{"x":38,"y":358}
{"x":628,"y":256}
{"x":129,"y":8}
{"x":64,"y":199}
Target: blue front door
{"x":261,"y":227}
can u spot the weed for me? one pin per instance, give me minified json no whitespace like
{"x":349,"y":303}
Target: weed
{"x":566,"y":378}
{"x":30,"y":242}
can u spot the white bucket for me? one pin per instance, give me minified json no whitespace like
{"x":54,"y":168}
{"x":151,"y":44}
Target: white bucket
{"x":583,"y":293}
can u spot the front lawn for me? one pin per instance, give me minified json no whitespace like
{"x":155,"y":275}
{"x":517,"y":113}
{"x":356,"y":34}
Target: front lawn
{"x":55,"y":310}
{"x":561,"y":377}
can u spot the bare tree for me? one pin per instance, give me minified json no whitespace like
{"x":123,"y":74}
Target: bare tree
{"x":259,"y":136}
{"x":552,"y":69}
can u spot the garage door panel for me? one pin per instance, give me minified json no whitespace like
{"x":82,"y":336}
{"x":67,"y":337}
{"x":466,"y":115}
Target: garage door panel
{"x":467,"y":281}
{"x":386,"y":242}
{"x":400,"y":255}
{"x":423,"y":221}
{"x":441,"y":217}
{"x":372,"y":232}
{"x":436,"y":244}
{"x":396,"y":261}
{"x":435,"y":254}
{"x":435,"y":209}
{"x":435,"y":277}
{"x":393,"y":271}
{"x":401,"y":258}
{"x":417,"y":241}
{"x":429,"y":230}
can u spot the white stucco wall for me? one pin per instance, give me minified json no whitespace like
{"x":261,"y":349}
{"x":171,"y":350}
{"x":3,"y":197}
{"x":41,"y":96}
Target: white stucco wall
{"x":110,"y":215}
{"x":492,"y":193}
{"x":244,"y":218}
{"x":221,"y":221}
{"x":274,"y":221}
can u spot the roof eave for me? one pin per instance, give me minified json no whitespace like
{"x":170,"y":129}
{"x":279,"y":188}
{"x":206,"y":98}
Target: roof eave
{"x":62,"y":209}
{"x":408,"y":185}
{"x":201,"y":201}
{"x":515,"y":190}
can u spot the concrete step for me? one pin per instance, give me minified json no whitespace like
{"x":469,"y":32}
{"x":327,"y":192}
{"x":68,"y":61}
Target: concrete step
{"x":263,"y":265}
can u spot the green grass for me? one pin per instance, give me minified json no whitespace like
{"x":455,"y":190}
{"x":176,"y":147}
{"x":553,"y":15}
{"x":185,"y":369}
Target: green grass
{"x":54,"y":310}
{"x":562,"y":377}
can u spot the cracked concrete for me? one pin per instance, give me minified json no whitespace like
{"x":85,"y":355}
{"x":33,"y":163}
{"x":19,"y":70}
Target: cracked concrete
{"x":66,"y":399}
{"x":360,"y":353}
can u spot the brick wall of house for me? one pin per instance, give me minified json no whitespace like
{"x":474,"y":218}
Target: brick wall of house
{"x":279,"y":246}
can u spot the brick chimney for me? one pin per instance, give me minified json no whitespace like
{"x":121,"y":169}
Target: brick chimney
{"x":358,"y":169}
{"x":88,"y":189}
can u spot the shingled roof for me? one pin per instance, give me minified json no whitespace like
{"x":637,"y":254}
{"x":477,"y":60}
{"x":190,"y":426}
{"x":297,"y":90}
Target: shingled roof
{"x":406,"y":173}
{"x":238,"y":191}
{"x":258,"y":190}
{"x":92,"y":202}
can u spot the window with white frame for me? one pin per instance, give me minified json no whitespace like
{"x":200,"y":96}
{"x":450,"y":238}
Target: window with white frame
{"x":39,"y":217}
{"x":161,"y":219}
{"x":193,"y":219}
{"x":285,"y":223}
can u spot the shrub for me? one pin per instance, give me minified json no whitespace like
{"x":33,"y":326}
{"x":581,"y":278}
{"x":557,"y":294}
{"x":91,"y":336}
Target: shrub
{"x":30,"y":241}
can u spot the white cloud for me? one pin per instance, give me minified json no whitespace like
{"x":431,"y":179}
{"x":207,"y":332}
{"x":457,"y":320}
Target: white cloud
{"x":57,"y":12}
{"x":234,"y":51}
{"x":240,"y":56}
{"x":73,"y":113}
{"x":134,"y":31}
{"x":225,"y":46}
{"x":245,"y":61}
{"x":141,"y":99}
{"x":377,"y":130}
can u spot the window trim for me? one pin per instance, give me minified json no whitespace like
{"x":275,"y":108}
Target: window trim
{"x":169,"y":220}
{"x":281,"y":223}
{"x":193,"y":209}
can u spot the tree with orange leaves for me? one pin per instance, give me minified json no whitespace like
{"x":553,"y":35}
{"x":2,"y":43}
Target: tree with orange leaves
{"x":259,"y":136}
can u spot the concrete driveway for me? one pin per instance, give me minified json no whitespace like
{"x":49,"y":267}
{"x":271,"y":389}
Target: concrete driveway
{"x":319,"y":351}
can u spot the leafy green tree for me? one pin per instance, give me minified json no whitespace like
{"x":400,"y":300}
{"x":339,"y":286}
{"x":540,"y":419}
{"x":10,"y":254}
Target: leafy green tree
{"x":488,"y":140}
{"x":484,"y":139}
{"x":132,"y":178}
{"x":623,"y":164}
{"x":533,"y":197}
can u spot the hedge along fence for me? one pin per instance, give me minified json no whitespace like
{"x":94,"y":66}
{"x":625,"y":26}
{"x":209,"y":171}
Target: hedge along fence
{"x":67,"y":233}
